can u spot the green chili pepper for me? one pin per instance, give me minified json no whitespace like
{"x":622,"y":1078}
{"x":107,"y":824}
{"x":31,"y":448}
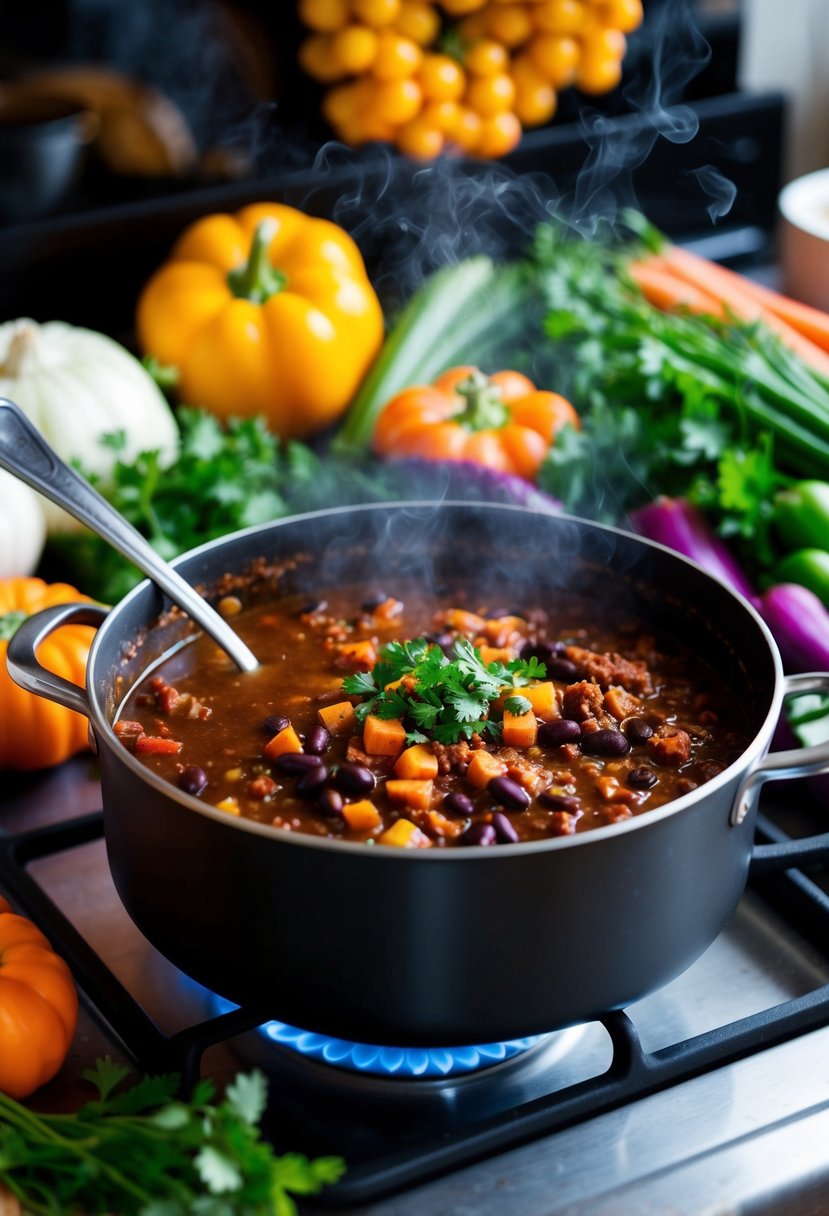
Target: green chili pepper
{"x":809,"y":567}
{"x":801,"y":515}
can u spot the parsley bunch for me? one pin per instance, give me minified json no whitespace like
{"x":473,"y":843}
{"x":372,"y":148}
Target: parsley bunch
{"x":147,"y":1152}
{"x":671,"y":403}
{"x":445,"y":699}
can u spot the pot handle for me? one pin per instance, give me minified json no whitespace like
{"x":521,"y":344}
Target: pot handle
{"x":800,"y":762}
{"x":21,"y":655}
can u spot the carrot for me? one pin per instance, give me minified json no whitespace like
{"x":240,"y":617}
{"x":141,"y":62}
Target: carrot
{"x":339,"y":719}
{"x":811,"y":322}
{"x":730,"y":289}
{"x":519,"y":730}
{"x":667,"y":292}
{"x":418,"y":762}
{"x":383,"y":736}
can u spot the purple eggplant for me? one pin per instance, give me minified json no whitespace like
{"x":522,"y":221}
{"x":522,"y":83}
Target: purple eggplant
{"x":799,"y":623}
{"x":678,"y":525}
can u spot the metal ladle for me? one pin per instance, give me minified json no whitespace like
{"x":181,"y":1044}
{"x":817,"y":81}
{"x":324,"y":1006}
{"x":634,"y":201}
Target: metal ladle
{"x":25,"y":453}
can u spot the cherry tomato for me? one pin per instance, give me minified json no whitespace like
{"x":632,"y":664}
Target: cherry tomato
{"x":486,"y":58}
{"x":397,"y":101}
{"x":315,"y":58}
{"x":376,"y":12}
{"x":600,"y":68}
{"x":397,"y":57}
{"x":490,"y":94}
{"x":559,"y":16}
{"x":420,"y":138}
{"x":624,"y":15}
{"x":536,"y":100}
{"x":420,"y":22}
{"x":444,"y":116}
{"x":465,"y":132}
{"x":459,"y":8}
{"x":324,"y":16}
{"x":441,"y":77}
{"x":511,"y":25}
{"x":500,"y":133}
{"x":474,"y":26}
{"x":556,"y":57}
{"x":354,"y":49}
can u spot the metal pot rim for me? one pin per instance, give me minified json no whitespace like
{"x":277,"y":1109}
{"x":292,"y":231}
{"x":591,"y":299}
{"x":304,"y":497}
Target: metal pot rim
{"x":745,"y":762}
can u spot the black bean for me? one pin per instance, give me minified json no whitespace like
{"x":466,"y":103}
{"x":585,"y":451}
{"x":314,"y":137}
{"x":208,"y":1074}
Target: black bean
{"x":317,"y":740}
{"x":275,"y":723}
{"x":354,"y":779}
{"x":296,"y":762}
{"x":508,"y":793}
{"x":374,"y":601}
{"x":193,"y":780}
{"x":559,"y":802}
{"x":604,"y":743}
{"x":504,"y":830}
{"x":642,"y":777}
{"x":561,"y":730}
{"x":479,"y":833}
{"x":562,"y":669}
{"x":636,"y":730}
{"x":330,"y":803}
{"x":457,"y":803}
{"x":544,"y":650}
{"x":311,"y":782}
{"x":312,"y":607}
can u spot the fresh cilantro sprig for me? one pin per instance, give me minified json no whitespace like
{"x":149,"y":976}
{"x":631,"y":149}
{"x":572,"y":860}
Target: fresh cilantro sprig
{"x":442,"y":698}
{"x":145,"y":1151}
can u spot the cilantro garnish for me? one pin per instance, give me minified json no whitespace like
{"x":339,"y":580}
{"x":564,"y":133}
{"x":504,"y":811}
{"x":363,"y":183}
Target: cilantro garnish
{"x":442,"y":698}
{"x":146,"y":1151}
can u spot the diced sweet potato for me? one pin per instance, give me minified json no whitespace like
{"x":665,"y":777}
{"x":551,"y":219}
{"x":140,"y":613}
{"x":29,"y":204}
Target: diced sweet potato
{"x":361,"y":816}
{"x":412,"y":793}
{"x":287,"y":740}
{"x":155,"y":745}
{"x":468,"y":623}
{"x":542,"y":697}
{"x":519,"y":730}
{"x":417,"y":763}
{"x":405,"y":835}
{"x":496,"y":654}
{"x":361,"y":656}
{"x":338,"y":719}
{"x":483,"y":767}
{"x":383,"y":736}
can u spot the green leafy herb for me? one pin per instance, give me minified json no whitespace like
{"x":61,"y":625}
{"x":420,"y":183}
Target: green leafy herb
{"x":144,"y":1151}
{"x":444,"y":699}
{"x":671,"y":403}
{"x":518,"y":706}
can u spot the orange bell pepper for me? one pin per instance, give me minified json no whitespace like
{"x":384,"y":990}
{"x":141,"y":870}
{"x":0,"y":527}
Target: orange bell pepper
{"x":269,"y":312}
{"x":501,"y":421}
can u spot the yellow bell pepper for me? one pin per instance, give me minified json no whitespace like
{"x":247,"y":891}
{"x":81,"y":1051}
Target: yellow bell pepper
{"x":269,"y":312}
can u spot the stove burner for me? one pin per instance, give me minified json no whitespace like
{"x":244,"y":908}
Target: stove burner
{"x":389,"y":1061}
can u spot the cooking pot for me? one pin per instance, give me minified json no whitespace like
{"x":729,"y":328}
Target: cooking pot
{"x":432,"y":947}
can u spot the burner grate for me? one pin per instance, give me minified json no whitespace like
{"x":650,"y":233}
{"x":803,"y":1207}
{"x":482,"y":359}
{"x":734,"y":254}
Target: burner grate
{"x":387,"y":1164}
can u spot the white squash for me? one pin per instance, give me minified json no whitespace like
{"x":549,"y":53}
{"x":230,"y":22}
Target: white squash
{"x":22,"y":527}
{"x":76,"y":385}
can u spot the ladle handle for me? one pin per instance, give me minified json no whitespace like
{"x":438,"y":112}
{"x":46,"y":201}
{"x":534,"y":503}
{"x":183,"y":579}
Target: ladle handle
{"x":25,"y":453}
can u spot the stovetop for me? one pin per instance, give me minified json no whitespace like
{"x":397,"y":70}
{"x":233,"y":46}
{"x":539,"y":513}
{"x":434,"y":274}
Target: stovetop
{"x":709,"y":1096}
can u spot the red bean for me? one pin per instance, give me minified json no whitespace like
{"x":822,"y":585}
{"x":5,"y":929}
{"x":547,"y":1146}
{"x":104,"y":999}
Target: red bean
{"x":354,"y":779}
{"x":642,"y":777}
{"x":559,"y":802}
{"x":457,"y":803}
{"x":330,"y":803}
{"x":504,"y":830}
{"x":562,"y":669}
{"x":275,"y":723}
{"x":311,"y":782}
{"x":604,"y":743}
{"x":317,"y":740}
{"x":296,"y":762}
{"x":560,"y":730}
{"x":636,"y":730}
{"x":508,"y":793}
{"x":479,"y":833}
{"x":193,"y":780}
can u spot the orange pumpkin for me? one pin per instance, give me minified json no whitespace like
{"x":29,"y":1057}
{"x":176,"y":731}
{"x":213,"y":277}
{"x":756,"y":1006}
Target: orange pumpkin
{"x":36,"y":733}
{"x":38,"y":1006}
{"x":501,"y":421}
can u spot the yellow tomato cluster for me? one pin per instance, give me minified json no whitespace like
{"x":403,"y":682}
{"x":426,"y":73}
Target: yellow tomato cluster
{"x":467,"y":75}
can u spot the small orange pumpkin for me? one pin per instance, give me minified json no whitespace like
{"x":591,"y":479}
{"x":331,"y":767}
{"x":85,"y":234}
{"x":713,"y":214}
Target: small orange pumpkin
{"x":36,"y":733}
{"x":38,"y":1006}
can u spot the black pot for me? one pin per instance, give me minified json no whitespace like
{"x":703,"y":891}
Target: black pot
{"x":434,"y":947}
